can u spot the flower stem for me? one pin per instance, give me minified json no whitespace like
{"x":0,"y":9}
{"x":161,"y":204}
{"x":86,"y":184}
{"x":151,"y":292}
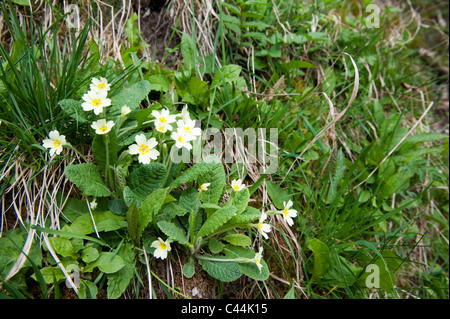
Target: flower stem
{"x":239,"y":260}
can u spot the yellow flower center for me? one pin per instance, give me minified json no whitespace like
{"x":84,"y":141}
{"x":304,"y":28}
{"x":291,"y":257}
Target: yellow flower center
{"x":236,"y":187}
{"x":203,"y":187}
{"x":101,"y":86}
{"x":257,"y":260}
{"x":162,"y":119}
{"x":286,"y":212}
{"x":260,"y":225}
{"x":96,"y":102}
{"x":103,"y":128}
{"x":161,"y":128}
{"x":143,"y":149}
{"x":162,"y":246}
{"x":187,"y":129}
{"x":57,"y":143}
{"x":181,"y":140}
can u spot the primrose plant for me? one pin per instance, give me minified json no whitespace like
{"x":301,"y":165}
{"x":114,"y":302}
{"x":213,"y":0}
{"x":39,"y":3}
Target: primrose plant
{"x":137,"y":201}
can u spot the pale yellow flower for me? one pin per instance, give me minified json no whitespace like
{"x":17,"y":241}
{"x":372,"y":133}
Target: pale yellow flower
{"x":55,"y":142}
{"x":162,"y":248}
{"x":102,"y":127}
{"x":145,"y":149}
{"x":237,"y":185}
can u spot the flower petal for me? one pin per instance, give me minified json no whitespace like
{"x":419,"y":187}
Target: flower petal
{"x":133,"y":149}
{"x":140,"y":139}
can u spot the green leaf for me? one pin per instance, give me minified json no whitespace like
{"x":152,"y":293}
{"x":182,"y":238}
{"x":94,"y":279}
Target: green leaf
{"x":131,"y":96}
{"x":228,"y":74}
{"x":290,"y":294}
{"x":48,"y":273}
{"x":22,"y":2}
{"x":249,"y":269}
{"x":341,"y":272}
{"x":131,"y":198}
{"x":119,"y":281}
{"x":108,"y":262}
{"x":197,"y":89}
{"x":215,"y":246}
{"x":424,"y":137}
{"x":322,"y":258}
{"x":159,"y":82}
{"x":296,"y":64}
{"x":277,"y":194}
{"x":104,"y":221}
{"x":171,"y":210}
{"x":68,"y":233}
{"x":149,"y":208}
{"x":61,"y":245}
{"x":89,"y":254}
{"x":118,"y":207}
{"x":74,"y":208}
{"x":394,"y":183}
{"x":132,"y":31}
{"x":74,"y":110}
{"x":220,"y":217}
{"x":133,"y":222}
{"x":87,"y":178}
{"x":256,"y":24}
{"x":87,"y":290}
{"x":240,"y":200}
{"x":147,"y":178}
{"x":317,"y":36}
{"x":173,"y":232}
{"x":238,"y":240}
{"x":189,"y":268}
{"x":188,"y":199}
{"x":339,"y":172}
{"x":250,"y":214}
{"x":224,"y":271}
{"x":192,"y":173}
{"x":188,"y":51}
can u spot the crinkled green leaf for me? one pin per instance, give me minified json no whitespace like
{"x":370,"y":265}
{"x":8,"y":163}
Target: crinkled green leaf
{"x":87,"y":178}
{"x":240,"y":200}
{"x":248,"y":215}
{"x":74,"y":110}
{"x":150,"y":206}
{"x":217,"y":178}
{"x":238,"y":239}
{"x":220,"y":217}
{"x":189,"y":268}
{"x":147,"y":178}
{"x":215,"y":246}
{"x":173,"y":232}
{"x":192,"y":173}
{"x":225,"y":271}
{"x":131,"y":96}
{"x":170,"y":210}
